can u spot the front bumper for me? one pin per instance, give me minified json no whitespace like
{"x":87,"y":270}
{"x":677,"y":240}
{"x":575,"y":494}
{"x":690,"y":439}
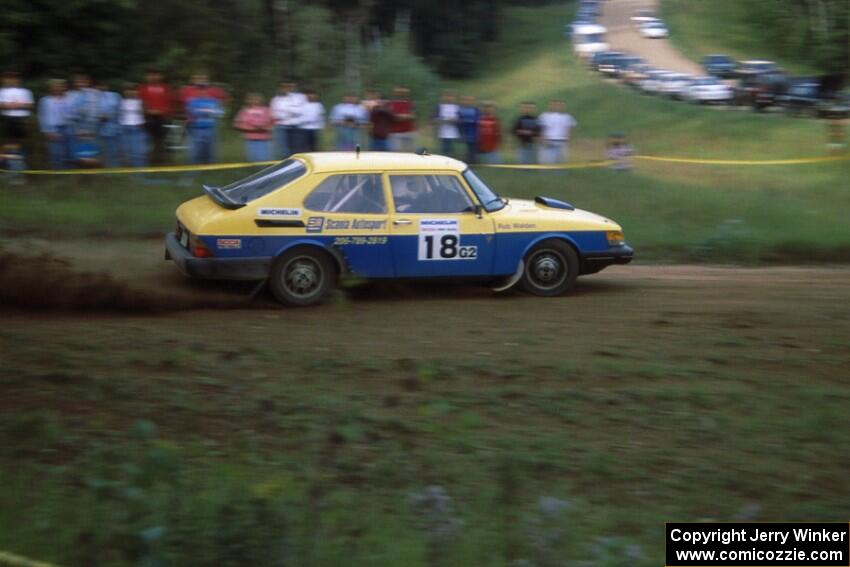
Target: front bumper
{"x":595,"y":261}
{"x":247,"y":269}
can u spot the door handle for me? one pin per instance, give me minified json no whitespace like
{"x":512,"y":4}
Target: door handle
{"x":402,"y":221}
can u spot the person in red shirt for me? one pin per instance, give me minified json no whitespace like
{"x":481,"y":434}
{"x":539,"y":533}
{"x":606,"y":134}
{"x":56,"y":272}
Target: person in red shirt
{"x":157,"y":103}
{"x":380,"y":123}
{"x":199,"y":83}
{"x":403,"y":136}
{"x":489,"y":135}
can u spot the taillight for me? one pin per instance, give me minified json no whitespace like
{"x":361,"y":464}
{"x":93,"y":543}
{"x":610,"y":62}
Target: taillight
{"x":198,"y":248}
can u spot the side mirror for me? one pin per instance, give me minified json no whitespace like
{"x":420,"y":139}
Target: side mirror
{"x":478,"y":210}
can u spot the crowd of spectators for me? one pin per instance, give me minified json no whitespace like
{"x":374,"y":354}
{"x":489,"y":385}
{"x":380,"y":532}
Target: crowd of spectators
{"x":84,"y":124}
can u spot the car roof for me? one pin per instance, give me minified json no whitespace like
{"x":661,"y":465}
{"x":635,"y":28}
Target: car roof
{"x":321,"y":162}
{"x":758,"y":62}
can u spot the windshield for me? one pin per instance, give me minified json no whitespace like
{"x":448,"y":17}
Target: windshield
{"x":488,"y":198}
{"x":264,"y":182}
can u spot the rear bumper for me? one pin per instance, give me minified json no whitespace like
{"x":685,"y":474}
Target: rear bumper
{"x":248,"y":269}
{"x":595,"y":261}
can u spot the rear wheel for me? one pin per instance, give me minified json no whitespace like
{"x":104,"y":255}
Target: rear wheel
{"x":551,"y":269}
{"x":302,"y":276}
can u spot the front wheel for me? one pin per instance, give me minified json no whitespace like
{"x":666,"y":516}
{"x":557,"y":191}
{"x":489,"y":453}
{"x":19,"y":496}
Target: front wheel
{"x":551,"y":269}
{"x":302,"y":277}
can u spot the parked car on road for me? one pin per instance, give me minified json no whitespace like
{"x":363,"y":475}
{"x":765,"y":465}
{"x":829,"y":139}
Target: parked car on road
{"x":601,"y":58}
{"x":653,"y":30}
{"x":803,"y":96}
{"x":760,"y":90}
{"x":642,"y":16}
{"x":635,"y":74}
{"x":708,"y":90}
{"x":589,"y":39}
{"x":755,"y":67}
{"x":718,"y":65}
{"x":674,"y":84}
{"x":300,"y":224}
{"x":651,"y":83}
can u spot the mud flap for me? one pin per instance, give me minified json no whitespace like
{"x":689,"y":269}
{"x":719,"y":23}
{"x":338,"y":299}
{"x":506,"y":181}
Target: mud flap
{"x":510,"y":281}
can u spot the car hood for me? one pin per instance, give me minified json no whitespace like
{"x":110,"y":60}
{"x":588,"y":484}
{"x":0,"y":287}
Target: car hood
{"x":536,"y":216}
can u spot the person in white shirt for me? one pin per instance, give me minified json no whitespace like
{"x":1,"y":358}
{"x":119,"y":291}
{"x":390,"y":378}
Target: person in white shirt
{"x":555,"y":127}
{"x":286,"y":108}
{"x":312,"y":122}
{"x":348,"y":118}
{"x":446,"y":119}
{"x":131,"y":118}
{"x":16,"y":105}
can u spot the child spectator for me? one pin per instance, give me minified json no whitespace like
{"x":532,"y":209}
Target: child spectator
{"x":134,"y":140}
{"x":109,"y":130}
{"x":489,"y":135}
{"x":202,"y":113}
{"x":312,"y":122}
{"x":619,"y":152}
{"x":467,"y":120}
{"x":53,"y":123}
{"x":85,"y":151}
{"x":286,"y":108}
{"x":403,"y":136}
{"x":347,"y":118}
{"x":555,"y":126}
{"x":12,"y":161}
{"x":446,"y":121}
{"x":255,"y":122}
{"x":527,"y":131}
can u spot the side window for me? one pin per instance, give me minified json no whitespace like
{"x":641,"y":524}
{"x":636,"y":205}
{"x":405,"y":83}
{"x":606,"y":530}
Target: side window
{"x":348,"y":193}
{"x":429,"y":194}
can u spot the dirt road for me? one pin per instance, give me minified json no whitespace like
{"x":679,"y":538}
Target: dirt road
{"x":682,"y":310}
{"x":623,"y":36}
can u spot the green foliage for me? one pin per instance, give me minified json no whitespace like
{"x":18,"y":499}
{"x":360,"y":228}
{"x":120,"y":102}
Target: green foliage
{"x":804,"y":36}
{"x":393,"y":64}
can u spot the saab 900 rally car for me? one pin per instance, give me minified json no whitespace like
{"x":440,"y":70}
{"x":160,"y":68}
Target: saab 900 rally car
{"x":302,"y":223}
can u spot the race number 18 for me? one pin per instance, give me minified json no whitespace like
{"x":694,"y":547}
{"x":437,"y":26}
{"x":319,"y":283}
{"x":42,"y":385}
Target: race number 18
{"x":445,"y":247}
{"x":439,"y":239}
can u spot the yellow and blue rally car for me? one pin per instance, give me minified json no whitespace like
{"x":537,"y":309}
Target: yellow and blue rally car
{"x":302,"y":223}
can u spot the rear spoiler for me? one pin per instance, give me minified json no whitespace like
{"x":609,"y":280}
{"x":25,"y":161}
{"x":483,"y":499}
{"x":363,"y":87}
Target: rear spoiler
{"x":221,"y":199}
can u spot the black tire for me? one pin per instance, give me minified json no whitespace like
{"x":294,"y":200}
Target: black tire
{"x":551,"y":269}
{"x":302,"y":276}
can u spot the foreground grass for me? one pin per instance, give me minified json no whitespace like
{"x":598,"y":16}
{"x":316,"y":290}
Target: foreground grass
{"x":283,"y":443}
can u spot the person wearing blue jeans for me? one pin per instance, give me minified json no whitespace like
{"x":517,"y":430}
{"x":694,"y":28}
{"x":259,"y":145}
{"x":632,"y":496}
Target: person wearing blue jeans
{"x":109,"y":132}
{"x":134,"y":136}
{"x":53,"y":122}
{"x":203,"y":111}
{"x":527,"y":132}
{"x":467,"y":121}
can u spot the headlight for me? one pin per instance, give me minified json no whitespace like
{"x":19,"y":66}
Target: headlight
{"x":615,"y":237}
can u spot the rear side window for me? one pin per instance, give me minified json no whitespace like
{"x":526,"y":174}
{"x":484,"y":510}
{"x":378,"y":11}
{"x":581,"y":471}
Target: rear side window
{"x":264,"y":182}
{"x":348,"y":193}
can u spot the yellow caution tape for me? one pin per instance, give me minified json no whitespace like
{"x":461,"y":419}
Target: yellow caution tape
{"x":12,"y":560}
{"x":794,"y":161}
{"x":575,"y":165}
{"x":157,"y":169}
